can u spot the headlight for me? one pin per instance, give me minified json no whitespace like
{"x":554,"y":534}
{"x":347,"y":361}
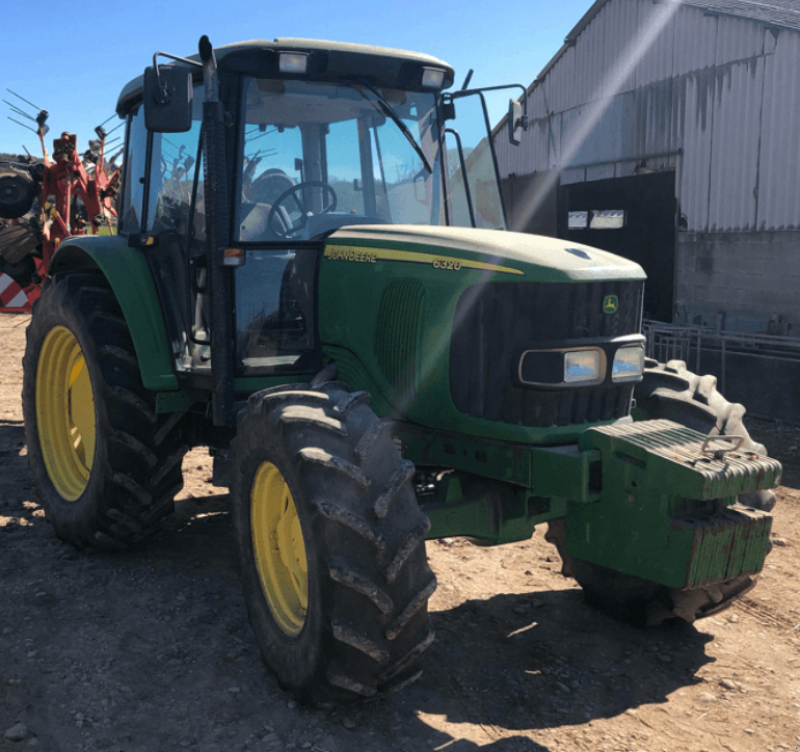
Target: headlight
{"x":581,"y":365}
{"x":628,"y":364}
{"x":562,"y":368}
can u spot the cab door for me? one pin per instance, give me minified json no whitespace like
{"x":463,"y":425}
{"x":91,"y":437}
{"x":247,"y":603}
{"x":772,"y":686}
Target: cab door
{"x":173,"y":224}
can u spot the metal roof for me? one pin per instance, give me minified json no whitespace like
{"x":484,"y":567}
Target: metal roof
{"x":783,"y":13}
{"x":779,"y":13}
{"x":775,"y":13}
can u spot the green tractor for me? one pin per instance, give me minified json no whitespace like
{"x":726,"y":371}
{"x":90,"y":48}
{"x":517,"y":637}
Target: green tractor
{"x":312,"y":277}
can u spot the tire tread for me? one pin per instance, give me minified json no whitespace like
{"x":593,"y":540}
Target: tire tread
{"x":132,"y":486}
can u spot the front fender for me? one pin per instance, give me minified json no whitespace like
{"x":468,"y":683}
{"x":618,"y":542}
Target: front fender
{"x":128,"y":273}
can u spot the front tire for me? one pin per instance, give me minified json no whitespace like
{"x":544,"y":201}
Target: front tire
{"x":669,"y":392}
{"x":331,"y":544}
{"x":106,"y":467}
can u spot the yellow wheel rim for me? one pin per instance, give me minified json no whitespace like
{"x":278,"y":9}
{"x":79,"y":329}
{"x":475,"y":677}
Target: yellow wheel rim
{"x":65,"y":413}
{"x":279,"y":548}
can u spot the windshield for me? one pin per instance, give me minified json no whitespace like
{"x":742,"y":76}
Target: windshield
{"x":321,"y":156}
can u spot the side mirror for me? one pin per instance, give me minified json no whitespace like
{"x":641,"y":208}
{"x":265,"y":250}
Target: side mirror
{"x":517,"y":122}
{"x":168,"y":99}
{"x":448,"y":110}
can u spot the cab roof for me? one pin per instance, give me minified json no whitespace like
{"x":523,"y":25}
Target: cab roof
{"x":328,"y":61}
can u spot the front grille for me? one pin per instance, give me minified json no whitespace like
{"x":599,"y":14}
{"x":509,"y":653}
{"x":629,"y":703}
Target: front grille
{"x":398,"y":342}
{"x":496,"y":322}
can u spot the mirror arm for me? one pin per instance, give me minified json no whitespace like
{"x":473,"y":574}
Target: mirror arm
{"x":163,"y":94}
{"x":467,"y":92}
{"x":186,"y":60}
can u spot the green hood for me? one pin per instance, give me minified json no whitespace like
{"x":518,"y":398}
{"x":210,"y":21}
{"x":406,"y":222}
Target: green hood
{"x":545,"y":259}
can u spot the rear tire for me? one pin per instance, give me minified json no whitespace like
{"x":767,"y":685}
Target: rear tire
{"x":105,"y":465}
{"x":669,"y":392}
{"x":331,"y":544}
{"x":17,"y":193}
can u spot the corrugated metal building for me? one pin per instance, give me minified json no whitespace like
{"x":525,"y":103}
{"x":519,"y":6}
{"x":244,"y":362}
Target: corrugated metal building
{"x":669,"y":132}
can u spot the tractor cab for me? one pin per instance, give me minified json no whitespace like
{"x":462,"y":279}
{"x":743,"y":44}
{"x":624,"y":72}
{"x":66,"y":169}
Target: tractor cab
{"x":315,"y":137}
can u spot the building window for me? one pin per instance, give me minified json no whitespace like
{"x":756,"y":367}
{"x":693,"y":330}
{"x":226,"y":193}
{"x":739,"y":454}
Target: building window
{"x":607,"y":219}
{"x":578,"y":220}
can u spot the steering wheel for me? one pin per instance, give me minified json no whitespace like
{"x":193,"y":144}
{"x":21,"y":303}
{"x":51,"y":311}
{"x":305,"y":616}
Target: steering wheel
{"x":289,"y":228}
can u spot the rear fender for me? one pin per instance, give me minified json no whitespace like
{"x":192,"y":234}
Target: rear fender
{"x":128,"y":273}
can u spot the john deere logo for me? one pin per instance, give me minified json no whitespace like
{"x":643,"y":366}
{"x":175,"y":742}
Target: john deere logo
{"x":610,"y":304}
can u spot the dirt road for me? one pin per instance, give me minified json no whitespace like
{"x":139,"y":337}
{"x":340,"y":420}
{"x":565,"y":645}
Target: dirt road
{"x":150,"y":650}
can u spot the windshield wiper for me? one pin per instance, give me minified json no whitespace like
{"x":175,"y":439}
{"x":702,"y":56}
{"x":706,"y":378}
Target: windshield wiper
{"x":386,"y":109}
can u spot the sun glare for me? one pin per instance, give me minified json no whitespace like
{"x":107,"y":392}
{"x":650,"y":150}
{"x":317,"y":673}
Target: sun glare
{"x":650,"y":28}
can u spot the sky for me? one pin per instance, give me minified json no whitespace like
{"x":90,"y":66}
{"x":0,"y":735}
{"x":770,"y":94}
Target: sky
{"x":73,"y":58}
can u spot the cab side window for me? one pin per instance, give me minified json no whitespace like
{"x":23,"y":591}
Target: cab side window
{"x":173,"y":164}
{"x":134,"y":167}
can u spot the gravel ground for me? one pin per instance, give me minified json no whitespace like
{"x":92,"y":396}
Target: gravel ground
{"x":150,"y":650}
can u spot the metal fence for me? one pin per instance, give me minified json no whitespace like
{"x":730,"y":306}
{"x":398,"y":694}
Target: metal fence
{"x":680,"y":342}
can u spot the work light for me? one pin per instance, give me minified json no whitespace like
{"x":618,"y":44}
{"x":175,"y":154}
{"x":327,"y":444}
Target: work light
{"x":293,"y":62}
{"x":432,"y":78}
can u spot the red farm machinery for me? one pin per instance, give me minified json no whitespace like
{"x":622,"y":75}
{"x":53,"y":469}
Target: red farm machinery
{"x":43,"y":201}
